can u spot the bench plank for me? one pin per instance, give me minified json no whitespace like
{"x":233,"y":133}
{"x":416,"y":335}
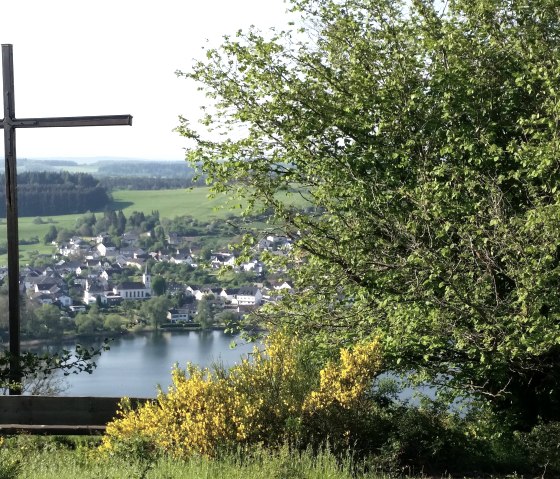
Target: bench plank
{"x":35,"y":429}
{"x":51,"y":415}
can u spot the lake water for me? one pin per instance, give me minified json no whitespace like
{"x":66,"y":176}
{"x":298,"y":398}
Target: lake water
{"x":137,"y":363}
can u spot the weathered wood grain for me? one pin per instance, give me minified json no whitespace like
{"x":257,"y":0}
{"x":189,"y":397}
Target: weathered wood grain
{"x":58,"y":415}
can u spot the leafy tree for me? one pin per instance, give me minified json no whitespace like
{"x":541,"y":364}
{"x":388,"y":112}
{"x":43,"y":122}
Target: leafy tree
{"x":136,"y":218}
{"x":425,"y":143}
{"x":121,"y":222}
{"x":228,"y":318}
{"x":205,"y":313}
{"x":113,"y":322}
{"x":48,"y":320}
{"x":50,"y":235}
{"x":159,"y":285}
{"x":85,"y":230}
{"x":63,"y":235}
{"x":206,"y":253}
{"x":87,"y":323}
{"x":154,"y":310}
{"x":88,"y":219}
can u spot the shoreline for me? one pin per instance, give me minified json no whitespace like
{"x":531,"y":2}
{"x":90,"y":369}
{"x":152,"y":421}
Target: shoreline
{"x":109,"y":336}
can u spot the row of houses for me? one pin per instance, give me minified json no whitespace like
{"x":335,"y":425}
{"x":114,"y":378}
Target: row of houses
{"x":243,"y":296}
{"x":96,"y":263}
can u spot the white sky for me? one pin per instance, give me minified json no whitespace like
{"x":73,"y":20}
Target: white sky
{"x":112,"y":57}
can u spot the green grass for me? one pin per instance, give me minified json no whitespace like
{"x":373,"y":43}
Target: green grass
{"x":170,"y":203}
{"x":44,"y":458}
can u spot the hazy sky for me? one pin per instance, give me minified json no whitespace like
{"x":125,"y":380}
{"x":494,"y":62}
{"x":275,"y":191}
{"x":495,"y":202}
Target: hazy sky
{"x":107,"y":57}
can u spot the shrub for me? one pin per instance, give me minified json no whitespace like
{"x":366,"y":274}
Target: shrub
{"x":543,"y":444}
{"x":266,"y":399}
{"x":341,"y":408}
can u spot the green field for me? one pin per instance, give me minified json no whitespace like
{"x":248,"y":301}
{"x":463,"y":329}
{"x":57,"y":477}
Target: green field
{"x":169,"y":203}
{"x":193,"y":202}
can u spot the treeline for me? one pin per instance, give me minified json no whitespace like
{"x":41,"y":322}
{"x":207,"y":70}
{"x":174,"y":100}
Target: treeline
{"x":148,"y":183}
{"x":113,"y":223}
{"x":56,"y":193}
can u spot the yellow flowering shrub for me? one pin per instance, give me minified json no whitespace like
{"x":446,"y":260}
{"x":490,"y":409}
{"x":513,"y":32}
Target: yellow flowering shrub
{"x":192,"y":417}
{"x":340,"y":410}
{"x":204,"y":411}
{"x":257,"y":401}
{"x":345,"y":383}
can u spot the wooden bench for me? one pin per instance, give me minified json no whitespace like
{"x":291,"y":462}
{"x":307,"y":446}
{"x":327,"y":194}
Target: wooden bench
{"x":58,"y":415}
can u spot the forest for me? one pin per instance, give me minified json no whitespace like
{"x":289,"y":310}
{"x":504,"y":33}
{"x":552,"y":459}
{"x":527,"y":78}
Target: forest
{"x":56,"y":193}
{"x":148,"y":182}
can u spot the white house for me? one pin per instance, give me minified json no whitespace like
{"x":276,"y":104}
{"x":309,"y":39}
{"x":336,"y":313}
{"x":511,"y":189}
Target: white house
{"x":253,"y":265}
{"x":66,"y":249}
{"x":201,"y":293}
{"x":249,"y":296}
{"x":106,"y":251}
{"x":217,"y":260}
{"x":181,"y":258}
{"x":92,"y":291}
{"x":175,"y":315}
{"x":65,"y":301}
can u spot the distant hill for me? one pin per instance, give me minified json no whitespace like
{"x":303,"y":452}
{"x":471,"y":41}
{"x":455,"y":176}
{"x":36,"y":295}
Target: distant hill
{"x":86,"y":160}
{"x":119,"y":173}
{"x":105,"y":166}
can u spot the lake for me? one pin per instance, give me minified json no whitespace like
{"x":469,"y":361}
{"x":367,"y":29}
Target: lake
{"x":137,"y":363}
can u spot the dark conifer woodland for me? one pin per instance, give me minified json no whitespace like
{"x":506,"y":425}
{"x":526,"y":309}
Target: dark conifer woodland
{"x":46,"y":194}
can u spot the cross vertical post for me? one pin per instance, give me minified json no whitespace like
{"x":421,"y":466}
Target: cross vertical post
{"x":11,"y":217}
{"x":9,"y":124}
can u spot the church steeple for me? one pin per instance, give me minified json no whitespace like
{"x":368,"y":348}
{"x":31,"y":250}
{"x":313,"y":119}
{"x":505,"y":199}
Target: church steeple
{"x":147,"y":279}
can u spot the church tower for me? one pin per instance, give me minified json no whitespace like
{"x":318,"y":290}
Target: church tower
{"x":147,"y":279}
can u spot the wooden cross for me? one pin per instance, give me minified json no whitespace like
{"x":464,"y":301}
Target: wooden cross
{"x":9,"y":124}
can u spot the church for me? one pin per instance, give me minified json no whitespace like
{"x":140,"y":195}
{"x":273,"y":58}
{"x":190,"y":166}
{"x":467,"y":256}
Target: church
{"x":133,"y":290}
{"x":127,"y":291}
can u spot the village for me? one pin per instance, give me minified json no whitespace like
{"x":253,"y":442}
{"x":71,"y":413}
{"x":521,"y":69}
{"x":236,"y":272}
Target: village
{"x":92,"y":273}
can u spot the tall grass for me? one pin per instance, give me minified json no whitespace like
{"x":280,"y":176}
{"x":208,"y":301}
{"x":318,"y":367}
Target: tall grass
{"x":40,"y":458}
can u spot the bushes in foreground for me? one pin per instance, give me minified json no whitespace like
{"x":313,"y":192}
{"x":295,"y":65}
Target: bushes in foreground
{"x":271,"y":398}
{"x":277,"y":398}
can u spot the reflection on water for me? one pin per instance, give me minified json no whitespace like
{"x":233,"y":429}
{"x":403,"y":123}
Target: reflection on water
{"x":136,"y":364}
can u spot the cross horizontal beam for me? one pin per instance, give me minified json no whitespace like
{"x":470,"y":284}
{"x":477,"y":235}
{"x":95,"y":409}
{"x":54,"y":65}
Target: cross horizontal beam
{"x":105,"y":120}
{"x":10,"y":124}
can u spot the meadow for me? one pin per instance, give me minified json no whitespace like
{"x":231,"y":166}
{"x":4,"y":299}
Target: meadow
{"x":170,"y":203}
{"x":194,"y":202}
